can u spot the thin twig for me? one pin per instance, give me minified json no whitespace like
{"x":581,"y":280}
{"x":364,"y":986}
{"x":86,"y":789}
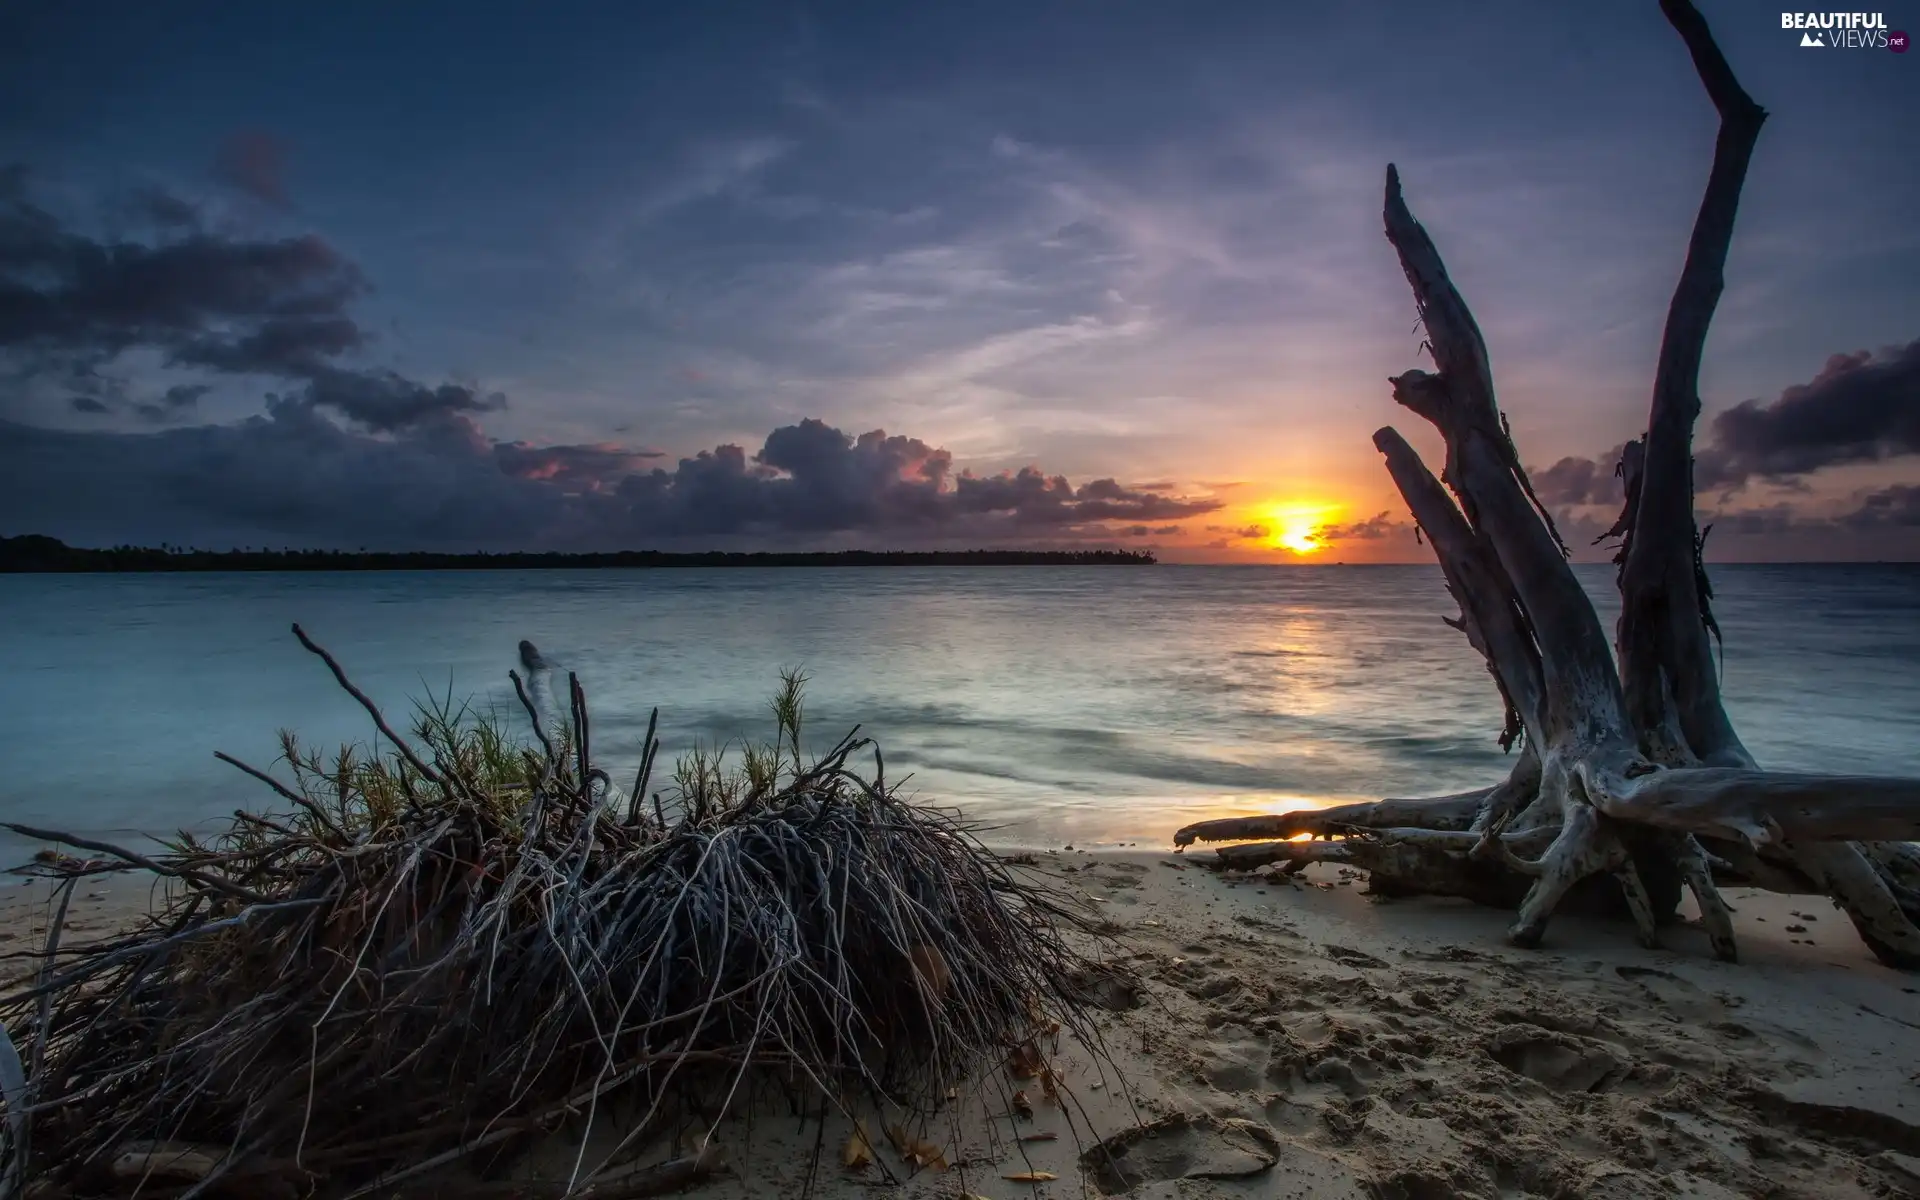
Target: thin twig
{"x":287,"y":793}
{"x":139,"y":860}
{"x":373,"y":710}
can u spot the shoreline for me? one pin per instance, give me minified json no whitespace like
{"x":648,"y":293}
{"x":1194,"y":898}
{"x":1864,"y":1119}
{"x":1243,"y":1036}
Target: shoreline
{"x":1411,"y":1053}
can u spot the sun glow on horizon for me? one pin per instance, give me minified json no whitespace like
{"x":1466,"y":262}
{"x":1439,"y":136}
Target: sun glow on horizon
{"x":1297,"y":528}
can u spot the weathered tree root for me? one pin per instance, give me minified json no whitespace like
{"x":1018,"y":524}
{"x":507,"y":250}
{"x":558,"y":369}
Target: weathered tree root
{"x":1630,"y":772}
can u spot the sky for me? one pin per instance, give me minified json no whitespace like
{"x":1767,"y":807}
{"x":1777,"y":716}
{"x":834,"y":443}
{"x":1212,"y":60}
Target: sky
{"x":897,"y":275}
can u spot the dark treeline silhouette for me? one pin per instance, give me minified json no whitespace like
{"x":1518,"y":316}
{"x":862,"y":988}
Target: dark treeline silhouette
{"x":37,"y":552}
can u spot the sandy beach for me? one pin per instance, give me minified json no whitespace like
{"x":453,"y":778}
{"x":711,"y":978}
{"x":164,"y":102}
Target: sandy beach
{"x":1391,"y":1049}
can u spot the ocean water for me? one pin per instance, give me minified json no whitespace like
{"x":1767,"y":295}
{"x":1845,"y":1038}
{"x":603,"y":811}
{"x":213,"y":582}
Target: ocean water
{"x":1058,"y":705}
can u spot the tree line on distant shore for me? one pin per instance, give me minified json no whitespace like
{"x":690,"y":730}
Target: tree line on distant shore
{"x":39,"y":553}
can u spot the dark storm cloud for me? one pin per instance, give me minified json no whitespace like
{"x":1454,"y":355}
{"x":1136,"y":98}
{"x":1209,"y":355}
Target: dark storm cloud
{"x":1037,"y":499}
{"x":1859,"y":408}
{"x":841,"y":482}
{"x":587,"y":467}
{"x":1769,"y":521}
{"x":174,"y":401}
{"x":278,"y":346}
{"x":294,"y":475}
{"x":1575,"y":480}
{"x":171,"y":403}
{"x":1898,"y":505}
{"x":158,"y":207}
{"x":184,"y":395}
{"x":197,"y":295}
{"x":1893,"y":512}
{"x":255,"y":163}
{"x":290,"y":475}
{"x":813,"y":478}
{"x":386,"y":402}
{"x":270,"y":307}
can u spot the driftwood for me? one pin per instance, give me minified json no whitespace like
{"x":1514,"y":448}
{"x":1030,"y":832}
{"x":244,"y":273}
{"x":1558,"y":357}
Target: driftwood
{"x":1629,"y":768}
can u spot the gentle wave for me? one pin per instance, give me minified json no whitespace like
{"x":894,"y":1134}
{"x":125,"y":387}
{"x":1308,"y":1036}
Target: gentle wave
{"x":1052,"y":703}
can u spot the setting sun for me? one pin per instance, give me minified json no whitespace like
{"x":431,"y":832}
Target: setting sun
{"x":1295,"y":526}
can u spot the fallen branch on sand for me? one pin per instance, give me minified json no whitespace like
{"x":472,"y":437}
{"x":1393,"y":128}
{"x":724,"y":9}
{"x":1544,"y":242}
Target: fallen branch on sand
{"x":440,"y":954}
{"x":1630,"y":782}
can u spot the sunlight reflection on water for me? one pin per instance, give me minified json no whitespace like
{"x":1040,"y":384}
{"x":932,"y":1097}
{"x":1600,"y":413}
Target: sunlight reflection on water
{"x":1086,"y":705}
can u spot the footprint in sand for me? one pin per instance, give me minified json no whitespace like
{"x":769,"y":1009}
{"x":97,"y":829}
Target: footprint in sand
{"x":1696,"y":1006}
{"x":1238,"y":1059}
{"x":1181,"y":1146}
{"x":1675,"y":994}
{"x":1561,"y":1061}
{"x":1351,"y":957}
{"x":1449,"y":953}
{"x":1108,"y":988}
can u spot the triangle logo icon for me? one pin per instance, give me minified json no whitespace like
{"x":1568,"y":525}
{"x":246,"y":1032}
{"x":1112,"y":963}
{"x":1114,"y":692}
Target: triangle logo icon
{"x":1811,"y":39}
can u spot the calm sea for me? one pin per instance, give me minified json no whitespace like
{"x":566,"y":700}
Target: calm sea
{"x":1082,"y":705}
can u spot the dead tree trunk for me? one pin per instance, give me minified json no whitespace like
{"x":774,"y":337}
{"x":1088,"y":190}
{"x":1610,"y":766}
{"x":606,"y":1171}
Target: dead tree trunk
{"x":1629,"y":766}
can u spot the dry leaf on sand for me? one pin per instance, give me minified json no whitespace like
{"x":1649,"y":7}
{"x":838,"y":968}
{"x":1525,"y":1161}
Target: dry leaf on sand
{"x":917,"y":1150}
{"x":859,"y":1149}
{"x":1025,"y":1062}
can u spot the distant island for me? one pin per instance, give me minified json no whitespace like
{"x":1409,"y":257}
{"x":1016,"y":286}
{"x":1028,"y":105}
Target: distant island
{"x":38,"y":553}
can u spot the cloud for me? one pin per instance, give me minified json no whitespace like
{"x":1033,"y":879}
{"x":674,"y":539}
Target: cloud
{"x":277,"y":346}
{"x":174,"y":401}
{"x":1373,"y":529}
{"x":580,"y":468}
{"x":386,"y":402}
{"x":255,"y":163}
{"x":1765,"y":521}
{"x":1894,"y":509}
{"x":1859,"y":408}
{"x":1575,"y":480}
{"x":294,"y":475}
{"x":277,"y":308}
{"x":351,"y":455}
{"x":1895,"y":506}
{"x":158,"y":207}
{"x":1033,"y":498}
{"x":199,"y":298}
{"x":170,"y":403}
{"x":712,"y":170}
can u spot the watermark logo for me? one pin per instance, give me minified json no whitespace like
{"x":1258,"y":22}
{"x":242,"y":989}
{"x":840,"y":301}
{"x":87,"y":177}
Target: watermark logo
{"x":1844,"y":31}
